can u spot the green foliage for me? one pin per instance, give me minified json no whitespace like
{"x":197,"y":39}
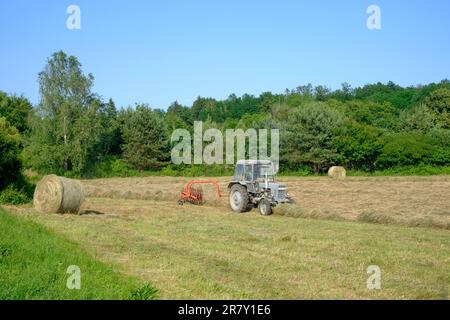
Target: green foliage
{"x":359,"y":144}
{"x":416,"y":170}
{"x":400,"y":98}
{"x":146,"y":292}
{"x":417,"y":119}
{"x":112,"y":166}
{"x":10,"y":164}
{"x":308,"y":136}
{"x":197,"y":170}
{"x":381,"y":115}
{"x":301,"y":171}
{"x":439,"y":102}
{"x":110,"y":141}
{"x":11,"y":195}
{"x":15,"y":110}
{"x":66,"y":124}
{"x":406,"y":149}
{"x":145,"y":141}
{"x":73,"y":132}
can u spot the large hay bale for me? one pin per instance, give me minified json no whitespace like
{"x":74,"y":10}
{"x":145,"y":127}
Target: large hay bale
{"x":337,"y":172}
{"x":55,"y":194}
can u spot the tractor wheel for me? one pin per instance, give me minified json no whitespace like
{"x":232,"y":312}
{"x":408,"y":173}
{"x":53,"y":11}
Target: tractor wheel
{"x":238,"y":198}
{"x":265,"y":209}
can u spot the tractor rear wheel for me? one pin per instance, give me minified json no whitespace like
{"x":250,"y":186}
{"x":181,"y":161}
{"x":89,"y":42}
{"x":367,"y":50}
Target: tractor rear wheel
{"x":238,"y":198}
{"x":265,"y":209}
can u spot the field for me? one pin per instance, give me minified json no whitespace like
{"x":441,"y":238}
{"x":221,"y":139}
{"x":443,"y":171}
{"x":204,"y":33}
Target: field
{"x":34,"y":263}
{"x":136,"y":226}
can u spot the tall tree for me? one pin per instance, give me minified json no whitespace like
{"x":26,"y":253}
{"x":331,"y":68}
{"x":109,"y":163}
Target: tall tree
{"x":145,"y":141}
{"x":308,"y":136}
{"x":66,"y":124}
{"x":111,"y":140}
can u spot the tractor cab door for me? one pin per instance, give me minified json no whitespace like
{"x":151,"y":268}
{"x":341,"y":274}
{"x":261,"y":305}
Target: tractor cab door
{"x":239,"y":173}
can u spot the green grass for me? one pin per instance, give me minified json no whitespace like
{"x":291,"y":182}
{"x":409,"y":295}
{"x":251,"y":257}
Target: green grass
{"x":113,"y":167}
{"x":422,"y":170}
{"x":34,"y":261}
{"x":193,"y":252}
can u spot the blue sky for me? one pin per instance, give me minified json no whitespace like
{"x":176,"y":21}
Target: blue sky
{"x":161,"y":51}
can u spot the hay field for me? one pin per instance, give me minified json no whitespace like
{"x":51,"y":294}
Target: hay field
{"x":412,"y":201}
{"x":192,"y":252}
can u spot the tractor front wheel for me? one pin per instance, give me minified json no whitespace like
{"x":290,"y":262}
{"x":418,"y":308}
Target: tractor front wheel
{"x":265,"y":209}
{"x":238,"y":198}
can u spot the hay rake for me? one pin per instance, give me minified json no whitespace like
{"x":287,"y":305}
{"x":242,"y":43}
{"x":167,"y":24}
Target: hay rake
{"x":194,"y":195}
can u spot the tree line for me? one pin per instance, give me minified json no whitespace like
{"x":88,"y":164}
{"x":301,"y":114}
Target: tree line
{"x":73,"y":131}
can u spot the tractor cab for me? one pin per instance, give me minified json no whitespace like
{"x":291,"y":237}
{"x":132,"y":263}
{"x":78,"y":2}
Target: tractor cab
{"x":253,"y":185}
{"x":251,"y":171}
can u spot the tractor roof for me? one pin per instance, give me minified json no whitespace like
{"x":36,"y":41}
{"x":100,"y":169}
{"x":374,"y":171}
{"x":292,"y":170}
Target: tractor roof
{"x":266,"y":162}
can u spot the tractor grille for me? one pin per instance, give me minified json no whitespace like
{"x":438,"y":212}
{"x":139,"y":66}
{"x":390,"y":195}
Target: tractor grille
{"x":281,"y":194}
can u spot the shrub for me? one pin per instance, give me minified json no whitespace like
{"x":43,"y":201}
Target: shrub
{"x":10,"y":165}
{"x":113,"y":167}
{"x":407,"y":150}
{"x":12,"y":195}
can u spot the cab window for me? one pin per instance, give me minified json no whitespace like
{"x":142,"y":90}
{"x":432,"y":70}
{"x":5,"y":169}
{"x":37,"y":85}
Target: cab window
{"x":239,"y":173}
{"x":248,"y":172}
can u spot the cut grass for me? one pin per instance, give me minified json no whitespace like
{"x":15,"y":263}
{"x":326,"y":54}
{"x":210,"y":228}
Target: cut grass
{"x":209,"y":253}
{"x":413,"y":201}
{"x":34,"y":261}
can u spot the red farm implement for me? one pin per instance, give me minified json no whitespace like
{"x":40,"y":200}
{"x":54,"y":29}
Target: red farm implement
{"x":192,"y":193}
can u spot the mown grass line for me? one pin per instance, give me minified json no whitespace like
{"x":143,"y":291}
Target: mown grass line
{"x":34,"y":262}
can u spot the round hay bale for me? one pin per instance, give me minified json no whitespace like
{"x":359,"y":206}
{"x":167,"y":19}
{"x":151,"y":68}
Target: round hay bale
{"x":337,"y":172}
{"x":55,"y":194}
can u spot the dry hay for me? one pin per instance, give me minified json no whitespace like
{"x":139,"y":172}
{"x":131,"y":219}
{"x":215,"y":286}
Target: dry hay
{"x":337,"y":172}
{"x":150,"y":188}
{"x":55,"y":194}
{"x":295,"y":211}
{"x":413,"y":201}
{"x":289,"y":210}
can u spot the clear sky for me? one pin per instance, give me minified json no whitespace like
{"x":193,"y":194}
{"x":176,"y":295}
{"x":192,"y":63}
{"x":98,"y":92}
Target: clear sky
{"x":161,"y":51}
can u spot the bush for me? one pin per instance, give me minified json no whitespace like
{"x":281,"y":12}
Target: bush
{"x":12,"y":195}
{"x":113,"y":167}
{"x":301,"y":171}
{"x":10,"y":164}
{"x":420,"y":170}
{"x":407,"y":150}
{"x":358,"y":144}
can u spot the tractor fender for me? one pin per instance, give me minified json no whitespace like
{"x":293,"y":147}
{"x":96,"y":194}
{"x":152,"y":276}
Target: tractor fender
{"x":231,"y":184}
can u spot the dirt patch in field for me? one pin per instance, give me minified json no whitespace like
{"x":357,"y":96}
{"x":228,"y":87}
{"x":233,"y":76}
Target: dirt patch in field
{"x":412,"y":201}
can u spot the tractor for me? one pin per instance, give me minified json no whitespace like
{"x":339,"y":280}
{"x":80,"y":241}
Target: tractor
{"x":253,"y":186}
